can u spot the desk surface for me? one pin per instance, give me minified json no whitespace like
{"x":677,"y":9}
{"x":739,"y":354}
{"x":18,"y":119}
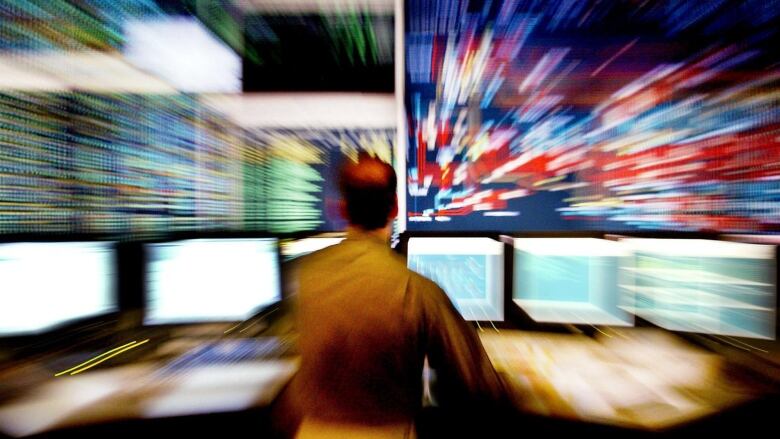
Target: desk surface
{"x":132,"y":392}
{"x":634,"y":378}
{"x":631,"y":378}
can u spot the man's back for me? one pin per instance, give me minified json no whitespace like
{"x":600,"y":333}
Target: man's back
{"x":366,"y":324}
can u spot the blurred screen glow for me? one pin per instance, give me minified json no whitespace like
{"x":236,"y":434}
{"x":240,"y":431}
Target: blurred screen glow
{"x":593,"y":115}
{"x":469,"y":270}
{"x":204,"y":280}
{"x":291,"y":175}
{"x":109,"y":123}
{"x":89,"y":71}
{"x":181,"y":51}
{"x":301,"y":247}
{"x":711,"y":287}
{"x":45,"y":284}
{"x":569,"y":280}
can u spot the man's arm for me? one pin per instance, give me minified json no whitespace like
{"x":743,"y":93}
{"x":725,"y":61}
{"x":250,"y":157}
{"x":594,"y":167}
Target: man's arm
{"x":464,"y":374}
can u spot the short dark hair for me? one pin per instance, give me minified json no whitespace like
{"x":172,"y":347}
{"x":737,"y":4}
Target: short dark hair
{"x":368,"y":188}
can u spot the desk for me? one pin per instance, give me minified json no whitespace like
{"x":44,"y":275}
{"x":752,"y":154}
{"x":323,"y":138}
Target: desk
{"x":632,"y":378}
{"x":635,"y":379}
{"x":126,"y":393}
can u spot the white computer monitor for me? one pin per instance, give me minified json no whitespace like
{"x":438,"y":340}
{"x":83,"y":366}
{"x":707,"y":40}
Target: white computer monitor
{"x":44,"y":284}
{"x":469,"y":270}
{"x":210,"y":280}
{"x":705,"y":286}
{"x":301,"y":247}
{"x":569,"y":280}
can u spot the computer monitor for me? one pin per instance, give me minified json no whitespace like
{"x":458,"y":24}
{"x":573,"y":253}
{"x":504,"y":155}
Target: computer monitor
{"x":295,"y":184}
{"x":469,"y":270}
{"x":703,"y":286}
{"x":319,"y":47}
{"x":296,"y":248}
{"x":569,"y":280}
{"x":591,"y":115}
{"x":44,"y":284}
{"x":210,"y":280}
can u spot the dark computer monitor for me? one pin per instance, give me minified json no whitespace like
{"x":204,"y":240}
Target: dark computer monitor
{"x":470,"y":270}
{"x":45,"y":284}
{"x":318,"y":50}
{"x":702,"y":286}
{"x":569,"y":280}
{"x":210,"y":280}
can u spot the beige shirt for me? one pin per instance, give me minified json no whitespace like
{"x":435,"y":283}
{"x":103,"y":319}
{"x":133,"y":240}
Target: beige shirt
{"x":366,"y":323}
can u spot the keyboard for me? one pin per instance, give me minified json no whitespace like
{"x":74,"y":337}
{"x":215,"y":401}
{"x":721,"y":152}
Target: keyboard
{"x":228,"y":351}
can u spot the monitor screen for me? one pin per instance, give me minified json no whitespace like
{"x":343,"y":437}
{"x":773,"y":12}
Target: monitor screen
{"x":569,"y":280}
{"x":204,"y":280}
{"x":294,"y":186}
{"x":469,"y":270}
{"x":45,"y":284}
{"x":296,"y":248}
{"x":704,"y":286}
{"x":592,"y":115}
{"x":325,"y":51}
{"x":178,"y":162}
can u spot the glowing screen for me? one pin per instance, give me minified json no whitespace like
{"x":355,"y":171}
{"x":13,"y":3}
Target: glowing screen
{"x":469,"y":270}
{"x":712,"y":287}
{"x":608,"y":115}
{"x":210,"y":279}
{"x":45,"y":284}
{"x":569,"y":280}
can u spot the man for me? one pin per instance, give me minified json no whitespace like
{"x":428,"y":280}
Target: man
{"x":367,"y":323}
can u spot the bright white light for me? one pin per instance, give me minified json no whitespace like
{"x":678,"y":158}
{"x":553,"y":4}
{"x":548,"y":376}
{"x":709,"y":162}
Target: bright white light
{"x":305,"y":246}
{"x":182,"y":52}
{"x":308,"y":110}
{"x":88,"y":70}
{"x":45,"y":284}
{"x":17,"y":73}
{"x":570,"y":247}
{"x":455,"y":246}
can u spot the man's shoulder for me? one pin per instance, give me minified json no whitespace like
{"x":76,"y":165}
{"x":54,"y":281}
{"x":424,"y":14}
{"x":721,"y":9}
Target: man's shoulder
{"x":367,"y":255}
{"x":421,"y":281}
{"x":430,"y":292}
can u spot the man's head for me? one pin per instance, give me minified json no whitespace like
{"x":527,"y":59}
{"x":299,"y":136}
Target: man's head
{"x":368,"y":192}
